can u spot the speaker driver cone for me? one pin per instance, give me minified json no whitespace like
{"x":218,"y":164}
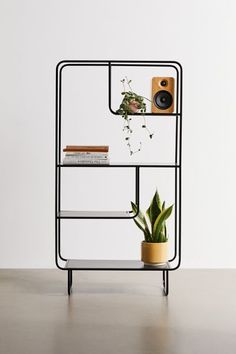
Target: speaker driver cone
{"x":163,"y":99}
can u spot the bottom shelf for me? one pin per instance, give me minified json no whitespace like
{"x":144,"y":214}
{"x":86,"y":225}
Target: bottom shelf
{"x":86,"y":264}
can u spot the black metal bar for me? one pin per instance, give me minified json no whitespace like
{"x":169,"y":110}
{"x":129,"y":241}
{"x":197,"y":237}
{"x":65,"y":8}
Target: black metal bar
{"x":118,"y":269}
{"x":176,"y":217}
{"x":59,"y":123}
{"x":178,"y":175}
{"x":176,"y":161}
{"x":59,"y":241}
{"x":178,"y":181}
{"x":69,"y":284}
{"x":119,"y":166}
{"x":121,"y":62}
{"x":177,"y":120}
{"x":56,"y":162}
{"x":137,"y":186}
{"x":109,"y":88}
{"x":165,"y":275}
{"x":144,"y":65}
{"x":180,"y":170}
{"x":180,"y":162}
{"x":150,"y":114}
{"x":57,"y":222}
{"x":97,"y":218}
{"x":180,"y":216}
{"x":59,"y":159}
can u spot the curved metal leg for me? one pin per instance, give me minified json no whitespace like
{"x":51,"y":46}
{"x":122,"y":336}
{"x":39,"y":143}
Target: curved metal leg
{"x":165,"y":282}
{"x":69,"y":281}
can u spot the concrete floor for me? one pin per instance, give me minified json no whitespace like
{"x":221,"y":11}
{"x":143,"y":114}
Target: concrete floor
{"x":115,"y":312}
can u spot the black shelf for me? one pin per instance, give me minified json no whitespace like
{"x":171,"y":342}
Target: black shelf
{"x":85,"y":264}
{"x":94,"y":214}
{"x":151,"y":114}
{"x":125,"y":164}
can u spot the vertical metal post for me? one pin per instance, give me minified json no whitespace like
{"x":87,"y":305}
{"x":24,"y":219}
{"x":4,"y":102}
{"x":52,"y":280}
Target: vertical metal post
{"x":180,"y":163}
{"x":137,"y":186}
{"x":165,"y":275}
{"x":56,"y":158}
{"x":69,"y":281}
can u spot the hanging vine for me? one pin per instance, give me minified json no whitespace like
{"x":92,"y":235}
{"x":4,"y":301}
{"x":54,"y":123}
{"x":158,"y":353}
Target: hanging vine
{"x":132,"y":103}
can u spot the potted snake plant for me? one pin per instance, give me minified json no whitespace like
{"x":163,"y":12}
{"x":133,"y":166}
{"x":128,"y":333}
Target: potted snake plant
{"x":154,"y":248}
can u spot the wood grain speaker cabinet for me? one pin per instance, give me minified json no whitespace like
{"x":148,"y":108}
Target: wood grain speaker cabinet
{"x":163,"y":94}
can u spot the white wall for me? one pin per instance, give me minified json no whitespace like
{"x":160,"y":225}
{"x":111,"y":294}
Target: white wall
{"x":35,"y":35}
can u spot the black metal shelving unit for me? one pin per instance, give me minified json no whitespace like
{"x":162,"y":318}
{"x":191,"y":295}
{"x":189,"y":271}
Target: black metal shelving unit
{"x":119,"y":265}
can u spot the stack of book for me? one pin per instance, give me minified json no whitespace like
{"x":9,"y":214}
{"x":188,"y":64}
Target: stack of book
{"x":86,"y":155}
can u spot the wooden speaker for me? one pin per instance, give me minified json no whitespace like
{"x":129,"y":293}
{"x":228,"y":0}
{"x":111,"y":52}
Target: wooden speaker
{"x":163,"y":94}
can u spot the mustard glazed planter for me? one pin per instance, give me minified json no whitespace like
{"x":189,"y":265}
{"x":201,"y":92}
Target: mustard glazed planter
{"x":154,"y":253}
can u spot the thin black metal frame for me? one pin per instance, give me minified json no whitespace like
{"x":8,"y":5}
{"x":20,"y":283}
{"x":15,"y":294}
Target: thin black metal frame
{"x":176,"y":166}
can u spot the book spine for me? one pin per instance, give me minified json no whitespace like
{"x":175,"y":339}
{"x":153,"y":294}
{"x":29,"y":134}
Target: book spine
{"x":86,"y":155}
{"x":85,"y":162}
{"x":74,"y":148}
{"x":72,"y":158}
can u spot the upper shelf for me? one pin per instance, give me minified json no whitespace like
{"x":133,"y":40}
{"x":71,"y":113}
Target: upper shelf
{"x":149,"y":114}
{"x":116,"y":69}
{"x":126,"y":164}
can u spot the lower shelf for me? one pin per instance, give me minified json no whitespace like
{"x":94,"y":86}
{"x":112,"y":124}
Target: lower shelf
{"x":85,"y":264}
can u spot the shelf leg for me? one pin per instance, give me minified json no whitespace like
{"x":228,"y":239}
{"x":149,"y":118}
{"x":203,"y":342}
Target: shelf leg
{"x":165,"y":282}
{"x":69,"y":281}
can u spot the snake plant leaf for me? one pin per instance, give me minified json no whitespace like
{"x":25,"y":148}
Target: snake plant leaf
{"x":163,"y":206}
{"x":158,"y":200}
{"x":141,"y":222}
{"x":162,"y":217}
{"x":146,"y":232}
{"x":162,"y":237}
{"x":147,"y":236}
{"x":155,"y":209}
{"x":139,"y":225}
{"x":166,"y":236}
{"x":140,"y":217}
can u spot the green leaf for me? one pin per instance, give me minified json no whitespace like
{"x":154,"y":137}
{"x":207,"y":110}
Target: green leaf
{"x":163,"y":216}
{"x":165,"y":231}
{"x":139,"y":225}
{"x":140,"y":217}
{"x":155,"y":209}
{"x":162,"y":237}
{"x":158,"y":200}
{"x":140,"y":221}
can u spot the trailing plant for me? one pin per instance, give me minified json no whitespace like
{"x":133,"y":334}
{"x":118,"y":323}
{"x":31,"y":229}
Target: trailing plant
{"x":153,"y":224}
{"x":132,"y":103}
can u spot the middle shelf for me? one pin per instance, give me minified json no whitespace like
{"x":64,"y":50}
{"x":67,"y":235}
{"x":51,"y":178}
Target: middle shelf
{"x":124,"y":164}
{"x":94,"y":214}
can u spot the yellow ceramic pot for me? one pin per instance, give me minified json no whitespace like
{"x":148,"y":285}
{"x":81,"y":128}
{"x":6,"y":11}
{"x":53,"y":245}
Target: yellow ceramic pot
{"x":154,"y":253}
